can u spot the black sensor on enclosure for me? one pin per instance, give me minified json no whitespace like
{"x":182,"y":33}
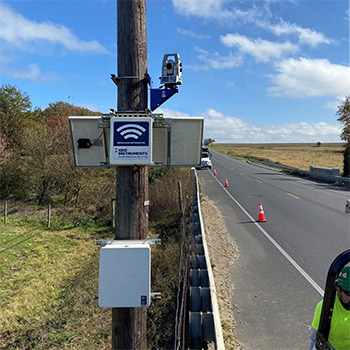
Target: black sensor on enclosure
{"x":84,"y":143}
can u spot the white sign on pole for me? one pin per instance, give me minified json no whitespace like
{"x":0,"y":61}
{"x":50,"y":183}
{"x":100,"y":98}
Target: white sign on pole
{"x":131,"y":140}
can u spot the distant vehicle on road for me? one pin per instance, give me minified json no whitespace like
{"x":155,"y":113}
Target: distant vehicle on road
{"x":205,"y":159}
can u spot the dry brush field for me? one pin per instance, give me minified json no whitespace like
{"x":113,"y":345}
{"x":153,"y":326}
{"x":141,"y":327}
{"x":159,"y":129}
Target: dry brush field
{"x":300,"y":156}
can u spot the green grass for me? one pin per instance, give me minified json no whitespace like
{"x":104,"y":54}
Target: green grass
{"x":48,"y":279}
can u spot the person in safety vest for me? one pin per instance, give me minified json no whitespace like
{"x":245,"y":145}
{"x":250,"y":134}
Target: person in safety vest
{"x":339,"y":333}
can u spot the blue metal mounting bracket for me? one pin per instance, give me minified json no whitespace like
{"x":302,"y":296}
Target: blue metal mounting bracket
{"x":159,"y":96}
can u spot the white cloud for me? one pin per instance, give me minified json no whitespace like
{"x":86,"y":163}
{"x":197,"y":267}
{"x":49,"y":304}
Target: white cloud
{"x":216,"y":61}
{"x":201,"y":8}
{"x":305,"y":77}
{"x":33,"y":72}
{"x":215,"y":9}
{"x":224,"y":128}
{"x":168,"y":113}
{"x":230,"y":85}
{"x":17,"y":30}
{"x":5,"y":59}
{"x":262,"y":50}
{"x":192,"y":34}
{"x":305,"y":35}
{"x":334,"y":105}
{"x":225,"y":11}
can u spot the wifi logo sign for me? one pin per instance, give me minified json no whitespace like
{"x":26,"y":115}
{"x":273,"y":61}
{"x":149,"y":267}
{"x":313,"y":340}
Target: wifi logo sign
{"x":131,"y":133}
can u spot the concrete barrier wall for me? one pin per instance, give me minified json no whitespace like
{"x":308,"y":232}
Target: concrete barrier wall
{"x":324,"y":171}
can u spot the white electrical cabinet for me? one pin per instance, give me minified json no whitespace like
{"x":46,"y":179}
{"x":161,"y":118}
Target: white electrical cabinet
{"x":125,"y":275}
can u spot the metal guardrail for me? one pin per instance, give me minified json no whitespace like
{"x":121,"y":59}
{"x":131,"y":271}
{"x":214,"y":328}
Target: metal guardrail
{"x":204,"y":317}
{"x":340,"y":180}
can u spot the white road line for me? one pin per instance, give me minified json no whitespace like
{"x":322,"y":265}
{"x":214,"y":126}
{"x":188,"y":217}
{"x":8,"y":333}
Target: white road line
{"x":282,"y":251}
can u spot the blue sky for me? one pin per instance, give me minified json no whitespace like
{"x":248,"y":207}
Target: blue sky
{"x":257,"y":71}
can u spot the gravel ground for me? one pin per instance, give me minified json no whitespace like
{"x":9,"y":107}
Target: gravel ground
{"x":223,"y":253}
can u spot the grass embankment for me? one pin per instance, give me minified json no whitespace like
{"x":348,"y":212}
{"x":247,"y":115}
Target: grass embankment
{"x":299,"y":156}
{"x":49,"y":277}
{"x":48,"y":280}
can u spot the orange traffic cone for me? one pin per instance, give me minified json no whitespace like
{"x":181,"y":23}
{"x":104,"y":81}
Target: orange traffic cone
{"x":261,"y":213}
{"x":215,"y":173}
{"x":226,"y":183}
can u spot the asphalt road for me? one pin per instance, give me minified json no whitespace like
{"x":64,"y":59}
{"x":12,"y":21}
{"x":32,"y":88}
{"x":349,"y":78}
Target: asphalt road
{"x":281,"y":271}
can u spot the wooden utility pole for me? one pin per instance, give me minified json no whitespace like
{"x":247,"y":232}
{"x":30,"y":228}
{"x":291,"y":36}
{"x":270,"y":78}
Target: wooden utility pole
{"x":129,"y":325}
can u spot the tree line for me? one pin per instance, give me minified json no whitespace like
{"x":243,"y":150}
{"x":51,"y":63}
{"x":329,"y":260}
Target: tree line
{"x":36,"y":159}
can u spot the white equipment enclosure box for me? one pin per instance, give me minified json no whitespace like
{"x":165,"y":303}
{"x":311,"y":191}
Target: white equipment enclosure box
{"x":125,"y":275}
{"x":131,"y":140}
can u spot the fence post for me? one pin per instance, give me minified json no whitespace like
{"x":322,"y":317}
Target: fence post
{"x":48,"y":215}
{"x":113,"y":201}
{"x":180,"y":196}
{"x":5,"y":212}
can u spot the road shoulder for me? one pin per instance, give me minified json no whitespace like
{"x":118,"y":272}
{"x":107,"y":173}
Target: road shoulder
{"x":223,"y":253}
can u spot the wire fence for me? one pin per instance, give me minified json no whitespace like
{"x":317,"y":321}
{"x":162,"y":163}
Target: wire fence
{"x":5,"y":210}
{"x":182,"y":291}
